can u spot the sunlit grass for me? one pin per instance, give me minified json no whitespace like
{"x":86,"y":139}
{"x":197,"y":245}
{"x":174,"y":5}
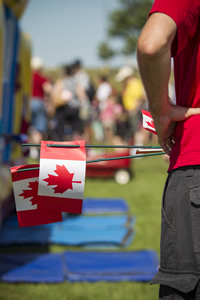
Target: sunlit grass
{"x":143,"y":195}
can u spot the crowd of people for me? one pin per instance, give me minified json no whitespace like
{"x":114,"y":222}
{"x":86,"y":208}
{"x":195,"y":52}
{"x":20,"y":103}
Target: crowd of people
{"x":73,"y":107}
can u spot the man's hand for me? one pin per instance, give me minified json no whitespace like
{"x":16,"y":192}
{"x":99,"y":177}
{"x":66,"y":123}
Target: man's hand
{"x":166,"y":124}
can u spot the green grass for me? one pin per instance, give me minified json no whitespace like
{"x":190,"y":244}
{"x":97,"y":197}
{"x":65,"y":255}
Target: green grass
{"x":143,"y":195}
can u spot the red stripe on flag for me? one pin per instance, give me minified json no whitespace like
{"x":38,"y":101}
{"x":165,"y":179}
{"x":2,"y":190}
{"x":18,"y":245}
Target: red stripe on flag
{"x":63,"y":153}
{"x":60,"y":204}
{"x":24,"y":174}
{"x":35,"y":217}
{"x":146,"y":113}
{"x":152,"y":131}
{"x":31,"y":217}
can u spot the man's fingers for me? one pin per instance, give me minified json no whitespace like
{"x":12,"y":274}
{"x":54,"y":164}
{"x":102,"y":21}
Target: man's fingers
{"x":192,"y":111}
{"x":165,"y":148}
{"x":170,"y":143}
{"x":165,"y":126}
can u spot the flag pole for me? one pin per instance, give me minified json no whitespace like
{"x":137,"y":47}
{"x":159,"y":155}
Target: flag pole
{"x":94,"y":146}
{"x":124,"y":157}
{"x":104,"y":159}
{"x":147,"y":151}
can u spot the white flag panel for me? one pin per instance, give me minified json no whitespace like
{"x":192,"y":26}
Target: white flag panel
{"x":49,"y":166}
{"x":19,"y":187}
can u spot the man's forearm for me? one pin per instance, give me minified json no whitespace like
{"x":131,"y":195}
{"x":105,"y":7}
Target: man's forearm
{"x":154,"y":60}
{"x":155,"y":72}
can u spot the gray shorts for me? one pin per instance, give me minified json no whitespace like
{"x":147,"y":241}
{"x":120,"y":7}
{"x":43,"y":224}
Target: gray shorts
{"x":168,"y":293}
{"x":180,"y":231}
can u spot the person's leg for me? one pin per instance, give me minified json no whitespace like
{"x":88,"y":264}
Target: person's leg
{"x":197,"y":294}
{"x":60,"y":123}
{"x":39,"y":126}
{"x":74,"y":120}
{"x":180,"y":242}
{"x":39,"y":116}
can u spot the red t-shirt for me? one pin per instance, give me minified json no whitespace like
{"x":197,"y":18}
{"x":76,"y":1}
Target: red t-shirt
{"x":186,"y":53}
{"x":38,"y":82}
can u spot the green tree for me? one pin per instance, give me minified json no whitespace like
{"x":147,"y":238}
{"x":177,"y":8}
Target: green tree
{"x":105,"y":52}
{"x":127,"y":22}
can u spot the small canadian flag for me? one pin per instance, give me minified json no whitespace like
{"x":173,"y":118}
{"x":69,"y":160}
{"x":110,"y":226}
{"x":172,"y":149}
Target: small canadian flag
{"x":62,"y":176}
{"x":25,"y":186}
{"x":148,"y":122}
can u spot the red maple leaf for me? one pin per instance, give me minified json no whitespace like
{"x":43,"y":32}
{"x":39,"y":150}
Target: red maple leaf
{"x":63,"y":181}
{"x":32,"y":193}
{"x":151,"y":124}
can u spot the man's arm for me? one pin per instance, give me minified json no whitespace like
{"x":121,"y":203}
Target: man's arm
{"x":154,"y":60}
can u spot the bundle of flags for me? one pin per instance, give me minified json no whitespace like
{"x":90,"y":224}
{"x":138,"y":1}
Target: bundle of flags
{"x":42,"y":192}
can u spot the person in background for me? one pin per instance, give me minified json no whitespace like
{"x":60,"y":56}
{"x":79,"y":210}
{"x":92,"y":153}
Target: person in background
{"x":110,"y":119}
{"x":104,"y":90}
{"x":83,"y":83}
{"x":39,"y":121}
{"x":66,"y":97}
{"x":133,"y":100}
{"x":173,"y":30}
{"x":80,"y":75}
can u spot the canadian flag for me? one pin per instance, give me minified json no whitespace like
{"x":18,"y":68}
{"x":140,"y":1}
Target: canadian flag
{"x":25,"y":187}
{"x":62,"y":176}
{"x":148,"y":122}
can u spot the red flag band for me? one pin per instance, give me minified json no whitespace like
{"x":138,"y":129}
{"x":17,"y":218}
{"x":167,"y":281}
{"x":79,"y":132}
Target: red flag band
{"x":62,"y":176}
{"x":25,"y":186}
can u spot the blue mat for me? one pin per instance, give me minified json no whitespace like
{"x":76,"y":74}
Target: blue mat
{"x":104,"y":205}
{"x":111,"y":266}
{"x":97,"y":222}
{"x":98,"y":231}
{"x":99,"y":238}
{"x":34,"y":268}
{"x":80,"y":221}
{"x":79,"y":266}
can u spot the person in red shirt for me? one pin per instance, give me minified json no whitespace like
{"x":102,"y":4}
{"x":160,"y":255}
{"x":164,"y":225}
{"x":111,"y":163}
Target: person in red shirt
{"x":41,"y":88}
{"x":173,"y":30}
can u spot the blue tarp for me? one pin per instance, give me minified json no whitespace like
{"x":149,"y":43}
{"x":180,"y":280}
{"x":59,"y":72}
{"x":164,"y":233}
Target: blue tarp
{"x":111,"y":266}
{"x":97,"y":222}
{"x":79,"y":266}
{"x":104,"y":231}
{"x":104,"y":205}
{"x":80,"y":221}
{"x":30,"y":267}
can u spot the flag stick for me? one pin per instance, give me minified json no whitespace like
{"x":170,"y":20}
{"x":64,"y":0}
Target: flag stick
{"x":146,"y":151}
{"x":104,"y":159}
{"x":123,"y":157}
{"x":94,"y":146}
{"x":28,"y":169}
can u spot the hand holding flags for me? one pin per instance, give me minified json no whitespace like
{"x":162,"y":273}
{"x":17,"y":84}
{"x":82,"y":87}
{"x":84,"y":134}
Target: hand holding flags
{"x":61,"y":180}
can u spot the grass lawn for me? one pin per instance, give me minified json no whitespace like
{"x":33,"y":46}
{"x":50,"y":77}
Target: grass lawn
{"x":143,"y":195}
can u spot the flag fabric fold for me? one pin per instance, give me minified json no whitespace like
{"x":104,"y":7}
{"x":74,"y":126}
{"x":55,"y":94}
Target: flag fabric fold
{"x":148,"y":122}
{"x":25,"y":187}
{"x":62,"y":176}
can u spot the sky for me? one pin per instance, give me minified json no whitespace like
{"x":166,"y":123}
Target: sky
{"x":64,"y":30}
